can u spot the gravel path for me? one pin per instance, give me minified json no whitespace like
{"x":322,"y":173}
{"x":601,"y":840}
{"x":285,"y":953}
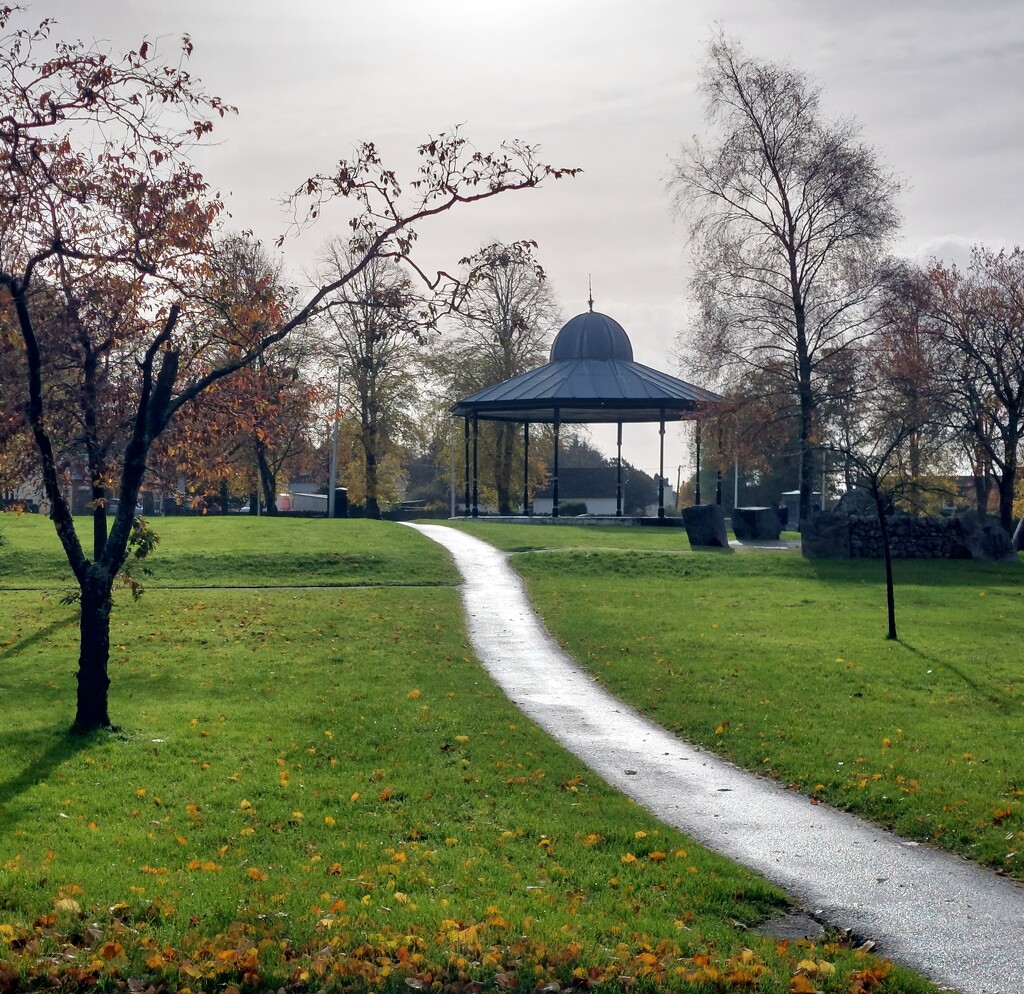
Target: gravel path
{"x":955,"y":922}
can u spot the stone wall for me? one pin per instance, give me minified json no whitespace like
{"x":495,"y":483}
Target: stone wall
{"x":961,"y":536}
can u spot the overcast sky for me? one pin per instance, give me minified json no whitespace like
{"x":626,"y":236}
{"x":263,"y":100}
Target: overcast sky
{"x":606,"y":85}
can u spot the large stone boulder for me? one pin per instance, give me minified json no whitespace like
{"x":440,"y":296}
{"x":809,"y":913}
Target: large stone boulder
{"x":980,"y":537}
{"x":856,"y":501}
{"x":754,"y":523}
{"x":705,"y":526}
{"x":826,"y":535}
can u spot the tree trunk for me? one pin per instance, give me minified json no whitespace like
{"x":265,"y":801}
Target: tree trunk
{"x":1007,"y":482}
{"x":981,"y":489}
{"x":94,"y":654}
{"x":915,"y":492}
{"x":1008,"y":477}
{"x":890,"y":594}
{"x":225,"y":505}
{"x":806,"y":452}
{"x":806,"y":397}
{"x":99,"y":521}
{"x":371,"y":442}
{"x":268,"y":480}
{"x":980,"y":470}
{"x":370,"y":482}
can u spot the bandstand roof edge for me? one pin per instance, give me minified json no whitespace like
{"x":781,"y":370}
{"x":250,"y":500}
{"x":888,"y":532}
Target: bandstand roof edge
{"x":590,"y":378}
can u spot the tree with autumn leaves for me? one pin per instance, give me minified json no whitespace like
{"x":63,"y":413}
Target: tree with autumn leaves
{"x":107,"y":258}
{"x":952,"y":348}
{"x":253,"y":424}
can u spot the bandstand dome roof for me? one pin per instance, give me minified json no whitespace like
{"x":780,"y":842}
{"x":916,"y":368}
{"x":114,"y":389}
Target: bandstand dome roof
{"x":592,"y":335}
{"x":590,"y":378}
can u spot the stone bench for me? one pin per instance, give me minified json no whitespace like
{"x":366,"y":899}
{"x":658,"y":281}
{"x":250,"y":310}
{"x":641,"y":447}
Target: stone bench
{"x":705,"y":526}
{"x":756,"y":523}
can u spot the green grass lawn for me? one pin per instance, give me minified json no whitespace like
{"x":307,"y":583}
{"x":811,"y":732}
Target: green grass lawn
{"x":239,"y":551}
{"x":319,"y":788}
{"x":781,"y":664}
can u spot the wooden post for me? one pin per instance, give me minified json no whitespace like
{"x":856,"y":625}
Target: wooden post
{"x":696,"y":489}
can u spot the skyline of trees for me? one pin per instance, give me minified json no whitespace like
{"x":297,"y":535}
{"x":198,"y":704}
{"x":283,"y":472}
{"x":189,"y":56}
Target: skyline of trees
{"x":908,"y":310}
{"x":944,"y":326}
{"x":978,"y":339}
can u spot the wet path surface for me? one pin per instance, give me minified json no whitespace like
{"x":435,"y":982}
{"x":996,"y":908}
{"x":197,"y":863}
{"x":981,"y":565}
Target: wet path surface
{"x":955,"y":922}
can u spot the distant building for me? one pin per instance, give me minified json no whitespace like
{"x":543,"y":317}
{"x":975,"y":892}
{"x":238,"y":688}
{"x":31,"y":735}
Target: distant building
{"x":594,"y":486}
{"x":307,"y":497}
{"x":791,"y":499}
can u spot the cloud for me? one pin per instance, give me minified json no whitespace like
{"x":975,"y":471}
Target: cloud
{"x":954,"y":249}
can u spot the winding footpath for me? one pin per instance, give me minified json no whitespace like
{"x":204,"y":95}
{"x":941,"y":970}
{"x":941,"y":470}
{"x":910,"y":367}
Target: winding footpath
{"x":954,"y":922}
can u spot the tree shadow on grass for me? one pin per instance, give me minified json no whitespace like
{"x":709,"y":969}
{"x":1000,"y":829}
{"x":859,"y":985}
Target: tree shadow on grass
{"x":38,"y":636}
{"x":997,"y":700}
{"x":952,"y":573}
{"x":48,"y":749}
{"x":45,"y":748}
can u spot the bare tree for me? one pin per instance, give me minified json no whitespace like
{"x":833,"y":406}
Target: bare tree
{"x":373,"y":336}
{"x":789,"y":213}
{"x":980,"y":336}
{"x":504,"y":327}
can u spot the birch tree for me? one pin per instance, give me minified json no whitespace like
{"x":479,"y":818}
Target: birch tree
{"x":789,"y":214}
